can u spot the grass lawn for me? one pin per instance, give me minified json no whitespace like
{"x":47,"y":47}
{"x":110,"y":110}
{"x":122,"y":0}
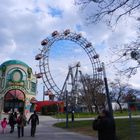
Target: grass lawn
{"x":123,"y":128}
{"x":76,"y":115}
{"x":90,"y":115}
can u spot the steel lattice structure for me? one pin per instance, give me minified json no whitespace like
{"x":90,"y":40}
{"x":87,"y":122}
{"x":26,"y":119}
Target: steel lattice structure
{"x":43,"y":57}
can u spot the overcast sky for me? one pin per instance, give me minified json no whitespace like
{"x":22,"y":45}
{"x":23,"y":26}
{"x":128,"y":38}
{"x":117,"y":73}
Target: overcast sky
{"x":25,"y":23}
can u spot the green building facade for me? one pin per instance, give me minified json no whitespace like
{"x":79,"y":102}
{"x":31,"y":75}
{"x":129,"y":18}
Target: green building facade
{"x":17,"y":86}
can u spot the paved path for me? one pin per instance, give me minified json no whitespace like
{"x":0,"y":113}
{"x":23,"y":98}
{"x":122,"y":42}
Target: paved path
{"x":45,"y":131}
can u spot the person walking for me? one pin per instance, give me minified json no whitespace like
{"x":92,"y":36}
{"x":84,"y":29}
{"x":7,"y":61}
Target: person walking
{"x":34,"y":121}
{"x":15,"y":117}
{"x":72,"y":116}
{"x":105,"y":125}
{"x":4,"y":124}
{"x":21,"y":122}
{"x":11,"y":122}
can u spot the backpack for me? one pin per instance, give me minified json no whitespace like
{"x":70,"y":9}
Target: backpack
{"x":11,"y":118}
{"x":19,"y":120}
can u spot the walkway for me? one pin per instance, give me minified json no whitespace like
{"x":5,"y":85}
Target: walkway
{"x":45,"y":131}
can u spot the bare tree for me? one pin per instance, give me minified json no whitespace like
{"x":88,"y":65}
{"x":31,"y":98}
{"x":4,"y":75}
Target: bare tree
{"x":118,"y":90}
{"x":128,"y":56}
{"x":110,"y":11}
{"x":92,"y":93}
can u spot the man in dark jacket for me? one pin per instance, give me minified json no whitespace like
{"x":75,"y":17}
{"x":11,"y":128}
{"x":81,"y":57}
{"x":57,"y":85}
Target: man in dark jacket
{"x":105,"y":125}
{"x":34,"y":121}
{"x":11,"y":122}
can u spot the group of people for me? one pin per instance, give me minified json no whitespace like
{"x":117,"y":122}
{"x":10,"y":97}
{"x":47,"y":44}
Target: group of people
{"x":21,"y":122}
{"x":104,"y":124}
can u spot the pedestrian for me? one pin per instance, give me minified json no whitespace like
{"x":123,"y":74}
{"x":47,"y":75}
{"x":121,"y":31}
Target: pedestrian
{"x":105,"y":125}
{"x":72,"y":116}
{"x":15,"y":116}
{"x":11,"y":122}
{"x":21,"y":122}
{"x":4,"y":124}
{"x":34,"y":121}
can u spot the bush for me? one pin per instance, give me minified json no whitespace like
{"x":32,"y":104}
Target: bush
{"x":49,"y":110}
{"x":44,"y":110}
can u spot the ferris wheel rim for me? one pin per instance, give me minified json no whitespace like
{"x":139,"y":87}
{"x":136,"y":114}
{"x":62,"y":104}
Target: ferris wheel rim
{"x":82,"y":42}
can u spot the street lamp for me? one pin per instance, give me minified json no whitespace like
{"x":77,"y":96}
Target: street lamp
{"x":43,"y":92}
{"x":67,"y":119}
{"x":107,"y":89}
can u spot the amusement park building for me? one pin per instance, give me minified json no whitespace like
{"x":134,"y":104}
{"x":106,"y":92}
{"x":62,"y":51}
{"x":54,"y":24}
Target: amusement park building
{"x":17,"y":86}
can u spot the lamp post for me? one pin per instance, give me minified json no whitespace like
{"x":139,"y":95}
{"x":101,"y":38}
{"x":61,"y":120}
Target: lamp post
{"x":43,"y":93}
{"x":107,"y":91}
{"x":67,"y":119}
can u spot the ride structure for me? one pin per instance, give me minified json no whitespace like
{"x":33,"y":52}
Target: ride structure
{"x":43,"y":58}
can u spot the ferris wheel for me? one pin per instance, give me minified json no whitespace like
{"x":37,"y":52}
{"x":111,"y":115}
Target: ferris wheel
{"x":43,"y":57}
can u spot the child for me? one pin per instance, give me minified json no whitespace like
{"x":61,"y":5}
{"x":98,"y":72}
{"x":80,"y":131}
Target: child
{"x":3,"y":125}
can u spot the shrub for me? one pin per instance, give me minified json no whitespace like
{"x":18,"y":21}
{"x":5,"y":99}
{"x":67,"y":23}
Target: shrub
{"x":49,"y":109}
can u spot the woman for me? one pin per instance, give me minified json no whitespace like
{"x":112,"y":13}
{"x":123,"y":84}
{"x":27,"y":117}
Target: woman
{"x":21,"y":120}
{"x":11,"y":122}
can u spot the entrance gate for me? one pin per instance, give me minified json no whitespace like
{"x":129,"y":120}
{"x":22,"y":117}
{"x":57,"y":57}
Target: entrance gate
{"x":14,"y":99}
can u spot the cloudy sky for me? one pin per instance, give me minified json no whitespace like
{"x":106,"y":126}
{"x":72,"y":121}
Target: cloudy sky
{"x":25,"y":23}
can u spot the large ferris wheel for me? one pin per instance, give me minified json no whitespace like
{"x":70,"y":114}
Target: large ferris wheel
{"x":43,"y":57}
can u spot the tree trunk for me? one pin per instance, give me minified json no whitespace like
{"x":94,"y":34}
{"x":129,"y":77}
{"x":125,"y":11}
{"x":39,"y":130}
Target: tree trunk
{"x":120,"y":106}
